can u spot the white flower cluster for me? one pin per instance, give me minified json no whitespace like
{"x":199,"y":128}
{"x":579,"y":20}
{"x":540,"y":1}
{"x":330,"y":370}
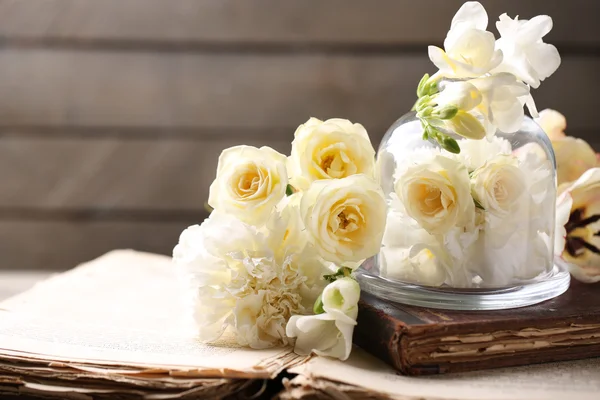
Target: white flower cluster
{"x":468,"y":220}
{"x":280,"y":226}
{"x":483,"y":83}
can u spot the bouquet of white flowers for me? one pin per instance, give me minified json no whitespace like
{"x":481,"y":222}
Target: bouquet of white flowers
{"x":274,"y":260}
{"x":274,"y":263}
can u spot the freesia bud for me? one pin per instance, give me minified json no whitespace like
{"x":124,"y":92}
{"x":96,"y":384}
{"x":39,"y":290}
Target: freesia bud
{"x":466,"y":125}
{"x":447,"y":112}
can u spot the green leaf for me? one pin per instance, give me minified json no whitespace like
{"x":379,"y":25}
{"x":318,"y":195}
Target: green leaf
{"x":289,"y":190}
{"x":318,"y":306}
{"x":340,"y":273}
{"x":478,"y":204}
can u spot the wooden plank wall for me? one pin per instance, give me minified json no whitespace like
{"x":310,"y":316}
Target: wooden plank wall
{"x":113,"y":112}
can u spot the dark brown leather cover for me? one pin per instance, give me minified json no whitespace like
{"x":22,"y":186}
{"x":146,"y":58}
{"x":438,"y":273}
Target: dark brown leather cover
{"x":419,"y":341}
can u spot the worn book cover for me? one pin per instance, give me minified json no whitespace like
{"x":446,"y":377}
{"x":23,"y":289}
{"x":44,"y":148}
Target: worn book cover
{"x":421,"y":341}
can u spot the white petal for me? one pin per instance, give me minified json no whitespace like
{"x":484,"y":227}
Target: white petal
{"x":564,"y":203}
{"x":544,"y":58}
{"x":438,"y":57}
{"x":472,"y":13}
{"x":507,"y":26}
{"x":535,"y":29}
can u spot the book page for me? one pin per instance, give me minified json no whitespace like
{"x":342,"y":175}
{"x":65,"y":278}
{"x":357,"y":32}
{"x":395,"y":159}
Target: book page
{"x":554,"y":381}
{"x":125,"y":308}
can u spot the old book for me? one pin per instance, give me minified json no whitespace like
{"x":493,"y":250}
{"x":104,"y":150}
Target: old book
{"x":119,"y":327}
{"x":421,"y":341}
{"x":363,"y":376}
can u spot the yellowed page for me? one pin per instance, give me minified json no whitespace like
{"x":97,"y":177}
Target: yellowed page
{"x":124,"y":308}
{"x":555,"y":381}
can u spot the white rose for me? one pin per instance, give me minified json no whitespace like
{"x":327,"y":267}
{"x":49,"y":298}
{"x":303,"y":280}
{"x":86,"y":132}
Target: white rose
{"x":499,"y":185}
{"x":344,"y":218}
{"x":331,"y":149}
{"x":436,"y":193}
{"x":469,"y":50}
{"x":249,"y":183}
{"x":330,"y":333}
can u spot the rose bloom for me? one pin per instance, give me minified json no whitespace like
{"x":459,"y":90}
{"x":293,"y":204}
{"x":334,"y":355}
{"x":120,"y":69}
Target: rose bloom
{"x":574,"y":156}
{"x":344,"y":218}
{"x":437,"y":194}
{"x":331,"y":149}
{"x":250,"y":182}
{"x":498,"y":185}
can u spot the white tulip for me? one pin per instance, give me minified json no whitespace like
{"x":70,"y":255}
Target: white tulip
{"x":525,"y":53}
{"x":249,"y":183}
{"x":331,"y":149}
{"x":469,"y":50}
{"x":553,"y":123}
{"x":330,"y":333}
{"x":344,"y":218}
{"x":574,"y":156}
{"x":582,"y":249}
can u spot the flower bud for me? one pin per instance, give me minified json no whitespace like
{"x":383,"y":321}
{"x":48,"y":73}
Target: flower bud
{"x":466,"y":125}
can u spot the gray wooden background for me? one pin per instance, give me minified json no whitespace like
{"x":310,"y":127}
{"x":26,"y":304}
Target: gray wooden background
{"x":113,"y":112}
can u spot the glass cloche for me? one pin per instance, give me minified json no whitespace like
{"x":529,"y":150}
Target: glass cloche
{"x":470,"y":222}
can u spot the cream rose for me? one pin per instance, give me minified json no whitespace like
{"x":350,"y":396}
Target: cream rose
{"x":331,"y":149}
{"x":344,"y":218}
{"x":250,"y":182}
{"x":498,"y":185}
{"x":437,"y":194}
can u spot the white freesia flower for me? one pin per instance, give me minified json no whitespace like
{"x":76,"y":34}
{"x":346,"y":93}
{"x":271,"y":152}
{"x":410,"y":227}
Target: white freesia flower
{"x":242,"y":281}
{"x":330,"y":333}
{"x":437,"y":194}
{"x":502,"y":101}
{"x":582,"y":249}
{"x":249,"y":183}
{"x":331,"y":149}
{"x":344,"y":218}
{"x":461,"y":94}
{"x":525,"y":53}
{"x":499,"y":185}
{"x":469,"y":50}
{"x":574,"y":156}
